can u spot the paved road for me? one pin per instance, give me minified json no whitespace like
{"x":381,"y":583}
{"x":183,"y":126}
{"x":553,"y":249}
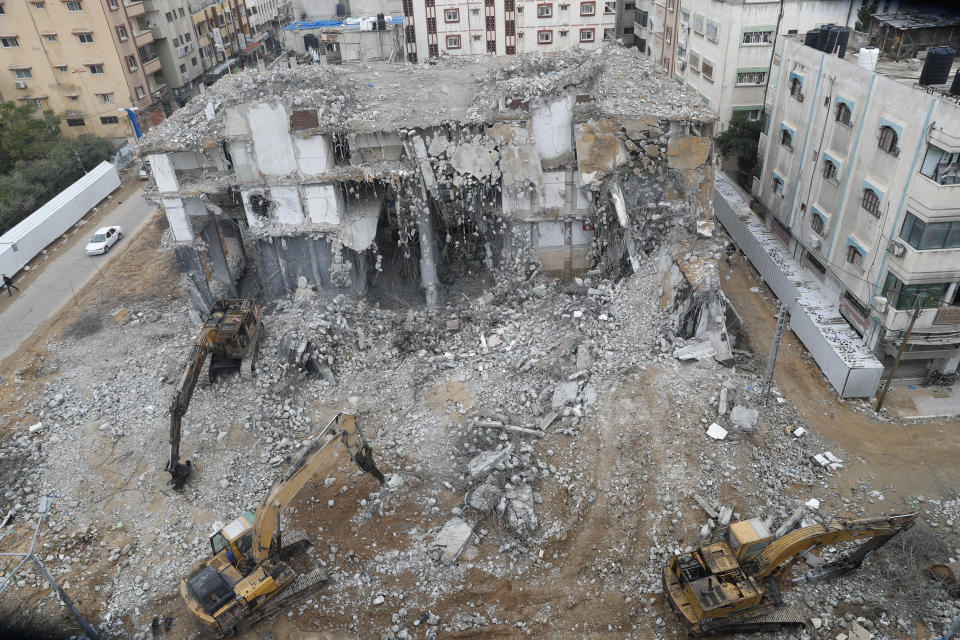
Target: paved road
{"x":54,"y":286}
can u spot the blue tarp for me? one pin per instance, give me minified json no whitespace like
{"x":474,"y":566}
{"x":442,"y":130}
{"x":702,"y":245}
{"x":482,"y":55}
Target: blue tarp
{"x":302,"y":25}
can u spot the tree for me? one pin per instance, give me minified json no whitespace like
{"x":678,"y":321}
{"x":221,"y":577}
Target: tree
{"x":865,"y":16}
{"x":740,"y":141}
{"x":26,"y":133}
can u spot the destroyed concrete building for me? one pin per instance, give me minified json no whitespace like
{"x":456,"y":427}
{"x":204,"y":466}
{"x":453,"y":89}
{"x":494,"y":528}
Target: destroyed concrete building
{"x":393,"y":175}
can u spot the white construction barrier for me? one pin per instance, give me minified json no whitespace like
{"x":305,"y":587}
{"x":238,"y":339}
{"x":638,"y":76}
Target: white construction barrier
{"x":32,"y":235}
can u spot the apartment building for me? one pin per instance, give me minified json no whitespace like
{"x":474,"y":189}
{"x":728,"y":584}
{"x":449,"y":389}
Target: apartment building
{"x":861,"y":180}
{"x":721,"y":50}
{"x":84,"y":60}
{"x":267,"y":17}
{"x":435,"y":28}
{"x":224,"y":37}
{"x":656,"y":29}
{"x":176,"y":43}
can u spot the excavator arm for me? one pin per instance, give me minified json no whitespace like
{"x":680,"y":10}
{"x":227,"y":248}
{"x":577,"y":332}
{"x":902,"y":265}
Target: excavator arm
{"x":342,"y":428}
{"x":782,"y":552}
{"x":179,"y":471}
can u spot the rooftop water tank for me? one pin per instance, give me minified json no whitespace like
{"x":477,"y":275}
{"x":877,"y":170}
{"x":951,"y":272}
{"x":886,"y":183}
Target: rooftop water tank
{"x":822,"y":37}
{"x":810,"y":39}
{"x":867,"y":57}
{"x":341,"y":10}
{"x":833,"y":32}
{"x":955,"y":87}
{"x":936,"y":68}
{"x":842,"y":39}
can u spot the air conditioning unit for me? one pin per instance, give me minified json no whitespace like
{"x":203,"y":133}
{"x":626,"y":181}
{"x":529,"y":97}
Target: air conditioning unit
{"x":880,"y":304}
{"x":896,"y":249}
{"x":814,"y":241}
{"x":20,"y":84}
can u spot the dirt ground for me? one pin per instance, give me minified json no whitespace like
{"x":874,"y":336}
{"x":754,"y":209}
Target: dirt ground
{"x":911,"y":459}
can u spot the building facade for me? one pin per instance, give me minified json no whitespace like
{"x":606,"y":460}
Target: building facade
{"x":176,"y":43}
{"x":85,"y":61}
{"x":722,"y":50}
{"x":434,"y":28}
{"x":224,"y":37}
{"x":861,"y":181}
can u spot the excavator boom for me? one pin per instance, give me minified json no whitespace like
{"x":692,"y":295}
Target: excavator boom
{"x":179,"y":472}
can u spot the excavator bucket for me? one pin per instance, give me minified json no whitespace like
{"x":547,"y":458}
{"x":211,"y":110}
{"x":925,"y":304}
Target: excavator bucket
{"x":364,"y":460}
{"x":179,"y":474}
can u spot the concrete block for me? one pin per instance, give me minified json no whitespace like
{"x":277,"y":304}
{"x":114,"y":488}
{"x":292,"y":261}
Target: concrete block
{"x":452,"y":539}
{"x":270,"y":130}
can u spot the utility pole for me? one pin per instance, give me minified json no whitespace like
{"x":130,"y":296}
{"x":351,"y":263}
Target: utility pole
{"x":903,"y":345}
{"x":774,"y":351}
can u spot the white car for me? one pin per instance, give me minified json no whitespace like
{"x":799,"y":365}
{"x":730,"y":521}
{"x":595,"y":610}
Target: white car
{"x":103,"y":239}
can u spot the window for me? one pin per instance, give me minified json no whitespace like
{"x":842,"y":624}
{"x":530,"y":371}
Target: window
{"x":50,"y":37}
{"x":180,"y":11}
{"x":193,"y":61}
{"x":544,"y":10}
{"x":95,"y":69}
{"x":902,"y":296}
{"x":641,"y":18}
{"x":752,"y":77}
{"x":38,"y":5}
{"x":453,"y":42}
{"x":854,"y":256}
{"x":712,"y":30}
{"x":183,"y":68}
{"x":73,"y":7}
{"x":671,"y":5}
{"x":930,"y":235}
{"x":109,"y":120}
{"x":9,"y":42}
{"x":777,"y":184}
{"x":75,"y":122}
{"x":451,"y":15}
{"x":74,"y":98}
{"x":786,"y":139}
{"x":2,"y":10}
{"x":139,"y":91}
{"x":697,"y":23}
{"x":748,"y":113}
{"x":113,"y":4}
{"x":694,"y":61}
{"x":871,"y":202}
{"x":586,"y":35}
{"x":816,"y":223}
{"x":122,"y":33}
{"x":85,"y":38}
{"x":132,"y":63}
{"x":169,"y":16}
{"x":588,"y":8}
{"x":941,"y":166}
{"x":188,"y":37}
{"x":668,"y":35}
{"x":61,"y":68}
{"x":796,"y":89}
{"x":829,"y":170}
{"x":22,"y":74}
{"x":888,"y":140}
{"x":706,"y":68}
{"x":843,"y":113}
{"x":105,"y":98}
{"x":757,"y":37}
{"x":544,"y":37}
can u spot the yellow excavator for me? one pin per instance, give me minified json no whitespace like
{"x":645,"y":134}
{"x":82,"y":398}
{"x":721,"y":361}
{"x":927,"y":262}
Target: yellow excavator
{"x":248,"y":579}
{"x":231,"y":336}
{"x":730,"y":585}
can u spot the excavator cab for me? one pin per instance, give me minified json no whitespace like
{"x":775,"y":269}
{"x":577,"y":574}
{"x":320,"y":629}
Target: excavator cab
{"x":748,"y":538}
{"x":236,"y":537}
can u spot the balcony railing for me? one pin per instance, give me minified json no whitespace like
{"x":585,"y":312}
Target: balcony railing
{"x":151,"y":66}
{"x":135,"y":9}
{"x":143,"y":38}
{"x":947,"y":315}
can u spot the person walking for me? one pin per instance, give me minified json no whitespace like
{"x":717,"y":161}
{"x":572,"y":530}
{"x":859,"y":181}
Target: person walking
{"x":8,"y":283}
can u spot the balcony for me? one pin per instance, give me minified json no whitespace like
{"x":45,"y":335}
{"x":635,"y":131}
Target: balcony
{"x":151,"y":66}
{"x":143,"y":38}
{"x":134,"y":9}
{"x":158,"y":33}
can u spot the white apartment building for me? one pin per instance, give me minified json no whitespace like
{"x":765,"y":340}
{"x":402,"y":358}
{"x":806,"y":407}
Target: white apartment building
{"x":435,"y":28}
{"x":861,"y":181}
{"x":722,"y":50}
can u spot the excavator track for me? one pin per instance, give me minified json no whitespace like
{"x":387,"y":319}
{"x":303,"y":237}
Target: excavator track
{"x":772,"y":620}
{"x":297,"y":591}
{"x":294,"y":544}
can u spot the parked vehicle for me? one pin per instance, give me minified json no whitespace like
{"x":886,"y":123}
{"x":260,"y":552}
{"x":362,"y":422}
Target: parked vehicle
{"x":103,"y":239}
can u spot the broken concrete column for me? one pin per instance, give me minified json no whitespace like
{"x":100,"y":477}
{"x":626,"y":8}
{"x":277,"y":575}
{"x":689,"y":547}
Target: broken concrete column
{"x":178,"y":219}
{"x":428,"y":259}
{"x":163,"y":173}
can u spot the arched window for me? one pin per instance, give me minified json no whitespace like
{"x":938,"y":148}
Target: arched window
{"x":786,"y":138}
{"x":854,"y":256}
{"x":871,"y":202}
{"x":777,"y":185}
{"x":796,"y":88}
{"x":830,"y":170}
{"x":888,"y":140}
{"x":843,"y":113}
{"x":816,"y":223}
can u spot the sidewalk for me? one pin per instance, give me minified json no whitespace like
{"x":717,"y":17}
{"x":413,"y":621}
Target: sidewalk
{"x":43,"y":293}
{"x":913,"y":402}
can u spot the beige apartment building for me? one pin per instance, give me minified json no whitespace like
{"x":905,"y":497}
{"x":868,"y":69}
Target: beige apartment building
{"x":224,"y":37}
{"x":84,"y":59}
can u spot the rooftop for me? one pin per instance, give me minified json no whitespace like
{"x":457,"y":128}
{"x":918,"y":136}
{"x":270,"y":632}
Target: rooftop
{"x":908,"y":71}
{"x":918,"y":19}
{"x":381,"y":96}
{"x":346,"y":24}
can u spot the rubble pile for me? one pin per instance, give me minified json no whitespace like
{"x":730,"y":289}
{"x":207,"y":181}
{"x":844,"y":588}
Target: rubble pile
{"x":541,"y":433}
